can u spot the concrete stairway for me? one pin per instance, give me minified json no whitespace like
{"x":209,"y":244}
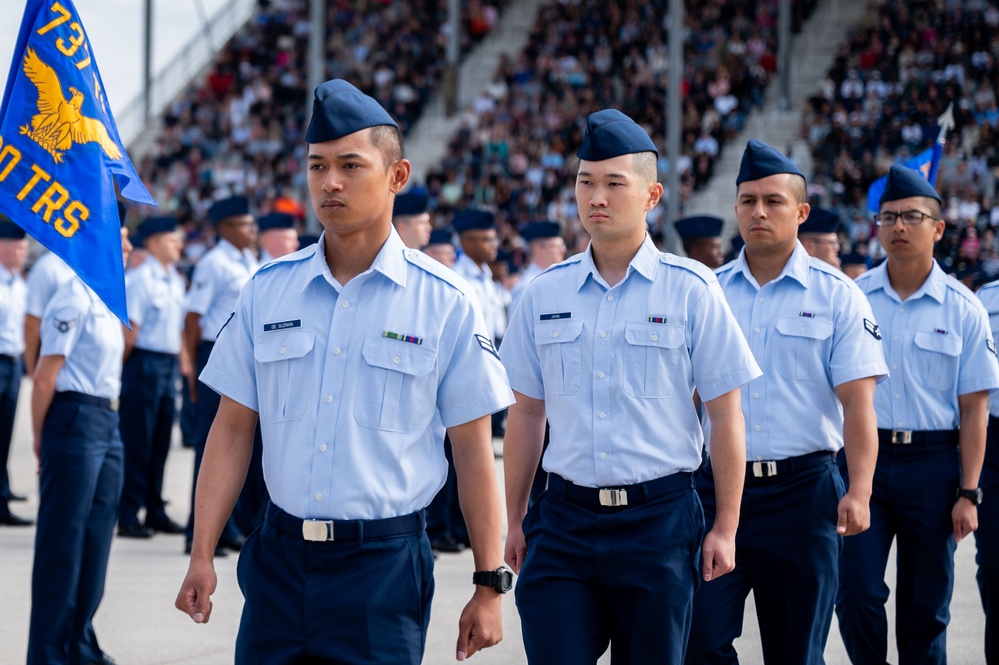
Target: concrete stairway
{"x":812,"y":54}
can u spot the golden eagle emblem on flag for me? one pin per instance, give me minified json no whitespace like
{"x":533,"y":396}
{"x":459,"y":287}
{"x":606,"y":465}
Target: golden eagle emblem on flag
{"x":59,"y":123}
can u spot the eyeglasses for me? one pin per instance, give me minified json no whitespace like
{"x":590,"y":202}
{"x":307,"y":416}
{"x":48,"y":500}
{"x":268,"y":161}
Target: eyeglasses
{"x":909,"y":217}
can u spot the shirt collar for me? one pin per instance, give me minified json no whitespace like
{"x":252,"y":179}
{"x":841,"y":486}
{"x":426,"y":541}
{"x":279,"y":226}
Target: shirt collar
{"x":796,"y":267}
{"x":390,"y":261}
{"x":645,"y":263}
{"x":479,"y":271}
{"x":935,"y":285}
{"x":229,"y":250}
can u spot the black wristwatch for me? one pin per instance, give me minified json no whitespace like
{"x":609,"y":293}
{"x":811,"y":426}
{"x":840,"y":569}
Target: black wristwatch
{"x":499,"y":580}
{"x":974,"y":496}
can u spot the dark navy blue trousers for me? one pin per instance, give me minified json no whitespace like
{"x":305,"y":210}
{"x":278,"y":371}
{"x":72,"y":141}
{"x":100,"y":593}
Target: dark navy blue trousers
{"x":148,"y":410}
{"x":11,"y":370}
{"x":80,"y":484}
{"x":206,"y":408}
{"x":987,"y":540}
{"x":914,"y":493}
{"x":786,"y":552}
{"x":595,"y":575}
{"x":347,"y":602}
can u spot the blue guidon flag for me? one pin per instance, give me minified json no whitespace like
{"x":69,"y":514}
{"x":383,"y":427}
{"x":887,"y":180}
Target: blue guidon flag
{"x":59,"y":149}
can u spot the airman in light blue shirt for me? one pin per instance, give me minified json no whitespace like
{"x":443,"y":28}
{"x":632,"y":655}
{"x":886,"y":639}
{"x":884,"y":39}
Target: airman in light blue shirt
{"x":47,"y":274}
{"x":155,"y":294}
{"x":215,"y":285}
{"x":545,"y":248}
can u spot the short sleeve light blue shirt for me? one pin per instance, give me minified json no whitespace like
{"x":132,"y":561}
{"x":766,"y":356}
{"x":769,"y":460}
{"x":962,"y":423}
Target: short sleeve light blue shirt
{"x":155,"y":296}
{"x":812,"y":330}
{"x":77,"y":325}
{"x":492,"y":297}
{"x":617,"y":366}
{"x":938,"y":346}
{"x":13,"y":296}
{"x":355,"y":383}
{"x":45,"y":277}
{"x":530,"y":272}
{"x":989,"y":295}
{"x":215,"y":285}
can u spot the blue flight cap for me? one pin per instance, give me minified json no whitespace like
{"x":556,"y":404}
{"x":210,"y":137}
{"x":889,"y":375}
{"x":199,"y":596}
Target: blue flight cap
{"x":905,"y":182}
{"x":760,"y":161}
{"x":473,"y":219}
{"x":276,"y":220}
{"x":853,"y":258}
{"x":540,"y":231}
{"x":820,"y":221}
{"x":700,"y":226}
{"x":9,"y":230}
{"x":340,"y":109}
{"x":154,"y":225}
{"x":410,"y":203}
{"x":610,"y":133}
{"x":441,"y":237}
{"x":234,"y":206}
{"x":306,"y":240}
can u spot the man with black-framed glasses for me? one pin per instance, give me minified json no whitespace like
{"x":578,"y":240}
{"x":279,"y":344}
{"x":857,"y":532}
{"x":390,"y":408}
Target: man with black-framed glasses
{"x":931,"y":432}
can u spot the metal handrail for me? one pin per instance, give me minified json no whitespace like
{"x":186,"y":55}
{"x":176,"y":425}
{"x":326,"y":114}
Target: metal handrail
{"x":178,"y":72}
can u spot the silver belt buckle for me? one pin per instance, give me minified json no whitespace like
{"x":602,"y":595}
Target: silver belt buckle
{"x":317,"y":531}
{"x":613,"y":498}
{"x":901,"y":436}
{"x":765,"y":469}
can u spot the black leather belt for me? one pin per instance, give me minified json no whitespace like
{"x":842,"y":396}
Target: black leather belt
{"x":619,"y":497}
{"x":908,"y":437}
{"x":6,"y":358}
{"x":347,"y":530}
{"x":154,"y":354}
{"x":764,"y":470}
{"x":89,"y":400}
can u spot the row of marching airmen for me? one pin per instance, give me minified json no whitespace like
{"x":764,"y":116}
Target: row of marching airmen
{"x":837,"y":417}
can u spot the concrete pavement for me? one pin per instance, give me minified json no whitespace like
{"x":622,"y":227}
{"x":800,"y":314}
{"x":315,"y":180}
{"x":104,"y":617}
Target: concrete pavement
{"x":138,"y":625}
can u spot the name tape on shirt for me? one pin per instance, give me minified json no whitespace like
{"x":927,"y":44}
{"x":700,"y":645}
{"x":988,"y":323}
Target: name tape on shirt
{"x":282,"y":325}
{"x":872,"y":328}
{"x":487,"y":345}
{"x":556,"y":316}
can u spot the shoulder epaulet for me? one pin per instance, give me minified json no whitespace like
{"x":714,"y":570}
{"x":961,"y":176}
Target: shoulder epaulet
{"x":301,"y":255}
{"x":989,"y":286}
{"x":831,"y":270}
{"x":437,"y":269}
{"x":863,"y":278}
{"x":571,"y":261}
{"x":689,"y":265}
{"x":725,"y":268}
{"x":955,"y":285}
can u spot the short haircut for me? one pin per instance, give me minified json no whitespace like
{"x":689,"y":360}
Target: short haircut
{"x":646,"y":166}
{"x":934,"y":206}
{"x":388,"y":139}
{"x":798,"y":189}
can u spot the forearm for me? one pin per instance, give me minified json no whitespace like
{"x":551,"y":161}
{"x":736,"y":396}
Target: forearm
{"x":522,"y":447}
{"x":42,"y":393}
{"x":974,"y":423}
{"x":32,"y":342}
{"x":223,"y":472}
{"x":192,"y":334}
{"x":130,"y":337}
{"x":478,"y":491}
{"x":728,"y":465}
{"x":860,"y":444}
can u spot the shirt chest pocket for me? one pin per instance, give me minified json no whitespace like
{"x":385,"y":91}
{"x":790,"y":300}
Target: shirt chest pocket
{"x":936,"y":359}
{"x":800,"y":347}
{"x":397,"y":389}
{"x":560,"y":350}
{"x":284,"y":373}
{"x":651,"y":357}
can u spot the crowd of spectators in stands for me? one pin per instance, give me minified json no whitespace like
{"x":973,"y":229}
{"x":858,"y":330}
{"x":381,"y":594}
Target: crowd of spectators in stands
{"x":516,"y":150}
{"x":879,"y":103}
{"x":239,"y":130}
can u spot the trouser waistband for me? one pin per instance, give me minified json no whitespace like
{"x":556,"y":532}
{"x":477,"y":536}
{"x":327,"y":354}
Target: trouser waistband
{"x":350,"y":531}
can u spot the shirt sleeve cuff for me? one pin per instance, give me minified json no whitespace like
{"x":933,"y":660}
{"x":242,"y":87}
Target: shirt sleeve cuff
{"x":224,"y":384}
{"x":472,"y":407}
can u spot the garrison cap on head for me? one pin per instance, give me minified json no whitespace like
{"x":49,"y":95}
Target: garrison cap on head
{"x":610,"y":133}
{"x":904,"y":182}
{"x":701,"y":226}
{"x":540,"y":231}
{"x":154,"y":225}
{"x":854,"y":258}
{"x":820,"y":221}
{"x":473,"y":219}
{"x":760,"y":161}
{"x":441,"y":237}
{"x":339,"y":109}
{"x":234,"y":206}
{"x":410,"y":203}
{"x":275,"y":220}
{"x":9,"y":230}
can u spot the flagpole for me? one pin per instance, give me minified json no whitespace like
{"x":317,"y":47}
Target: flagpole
{"x":946,"y":123}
